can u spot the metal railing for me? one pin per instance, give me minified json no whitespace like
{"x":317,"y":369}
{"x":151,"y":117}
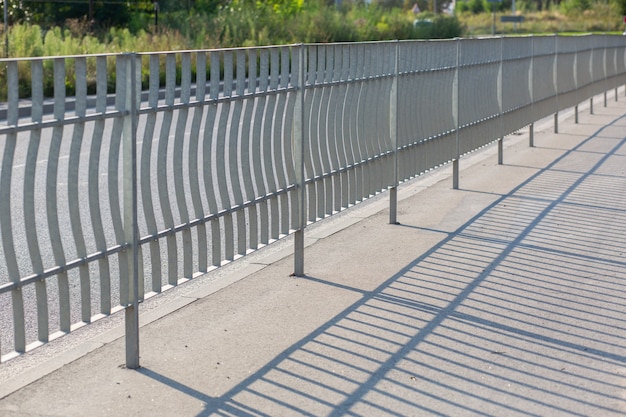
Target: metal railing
{"x":105,"y":203}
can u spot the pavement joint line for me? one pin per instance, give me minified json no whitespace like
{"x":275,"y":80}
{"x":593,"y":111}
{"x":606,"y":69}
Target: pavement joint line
{"x":377,"y":205}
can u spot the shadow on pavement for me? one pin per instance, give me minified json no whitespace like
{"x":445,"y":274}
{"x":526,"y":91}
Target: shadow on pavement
{"x":518,"y":312}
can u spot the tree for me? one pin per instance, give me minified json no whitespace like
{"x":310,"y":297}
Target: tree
{"x":103,"y":13}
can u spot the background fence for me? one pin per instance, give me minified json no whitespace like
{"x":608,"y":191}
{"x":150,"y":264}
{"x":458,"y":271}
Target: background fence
{"x":124,"y":175}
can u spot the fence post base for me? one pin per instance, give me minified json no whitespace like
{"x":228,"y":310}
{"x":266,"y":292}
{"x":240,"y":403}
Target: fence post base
{"x":500,"y":151}
{"x":393,"y":205}
{"x":591,"y":105}
{"x":455,"y":174}
{"x":605,"y":99}
{"x":132,"y":336}
{"x":576,"y":114}
{"x":556,"y":122}
{"x":298,"y":267}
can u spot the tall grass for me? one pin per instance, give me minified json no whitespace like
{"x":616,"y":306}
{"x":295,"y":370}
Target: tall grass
{"x":240,"y":23}
{"x":570,"y":16}
{"x":256,"y":23}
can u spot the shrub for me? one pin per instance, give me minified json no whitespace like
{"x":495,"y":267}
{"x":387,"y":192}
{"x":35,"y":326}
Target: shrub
{"x":438,"y":27}
{"x":25,"y":41}
{"x":569,"y":7}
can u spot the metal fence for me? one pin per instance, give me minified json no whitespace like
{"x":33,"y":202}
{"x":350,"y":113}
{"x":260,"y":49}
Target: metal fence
{"x":142,"y":171}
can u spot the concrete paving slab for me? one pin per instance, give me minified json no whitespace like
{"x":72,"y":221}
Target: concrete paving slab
{"x":503,"y":298}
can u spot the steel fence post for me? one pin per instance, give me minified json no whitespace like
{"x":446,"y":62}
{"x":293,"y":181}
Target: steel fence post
{"x":531,"y":87}
{"x":555,"y":76}
{"x":556,"y":122}
{"x":576,"y":84}
{"x":130,"y":211}
{"x":615,"y":70}
{"x":604,"y":68}
{"x":393,"y":133}
{"x":592,"y":76}
{"x":500,"y":104}
{"x":6,"y":28}
{"x":455,"y":115}
{"x":298,"y":149}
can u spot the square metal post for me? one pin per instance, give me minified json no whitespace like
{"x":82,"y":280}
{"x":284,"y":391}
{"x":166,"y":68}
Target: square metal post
{"x":393,"y":134}
{"x":131,"y":230}
{"x":298,"y":147}
{"x":455,"y":115}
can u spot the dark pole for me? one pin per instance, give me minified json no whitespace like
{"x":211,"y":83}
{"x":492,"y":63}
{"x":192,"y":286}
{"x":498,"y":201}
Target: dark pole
{"x":156,"y":15}
{"x":493,"y":26}
{"x":6,"y":28}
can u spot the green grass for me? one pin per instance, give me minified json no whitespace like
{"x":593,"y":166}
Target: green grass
{"x":601,"y":18}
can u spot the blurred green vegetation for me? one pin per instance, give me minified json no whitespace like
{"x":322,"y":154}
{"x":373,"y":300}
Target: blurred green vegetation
{"x":210,"y":24}
{"x":217,"y":24}
{"x":547,"y":17}
{"x":205,"y":24}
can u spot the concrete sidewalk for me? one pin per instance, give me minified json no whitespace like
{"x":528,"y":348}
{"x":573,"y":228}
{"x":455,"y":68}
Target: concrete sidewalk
{"x":504,"y":298}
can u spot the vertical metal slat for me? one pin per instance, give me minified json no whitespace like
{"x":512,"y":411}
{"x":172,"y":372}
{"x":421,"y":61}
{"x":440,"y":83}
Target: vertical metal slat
{"x":296,"y":129}
{"x":51,"y":195}
{"x":270,"y":143}
{"x":325,"y":130}
{"x":351,"y":127}
{"x":72,"y":185}
{"x":247,"y":139}
{"x":222,"y":157}
{"x":194,"y":171}
{"x":208,"y":159}
{"x":343,"y":126}
{"x":94,"y":185}
{"x":282,"y":130}
{"x":146,"y":174}
{"x":316,"y":204}
{"x":258,"y":145}
{"x":30,"y":172}
{"x":178,"y":164}
{"x":162,"y":168}
{"x":114,"y":173}
{"x":308,"y":126}
{"x":5,"y":209}
{"x":333,"y":137}
{"x":235,"y":143}
{"x":135,"y":107}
